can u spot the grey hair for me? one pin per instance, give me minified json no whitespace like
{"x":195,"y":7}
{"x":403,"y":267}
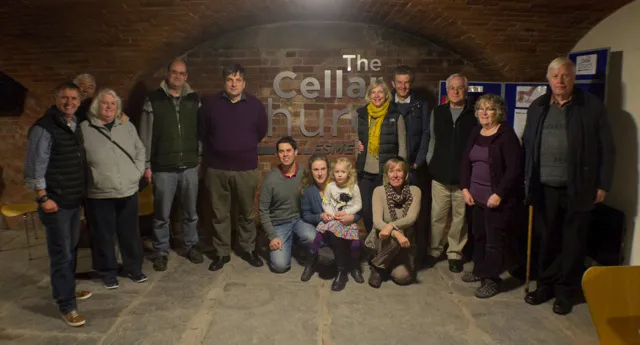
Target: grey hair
{"x":457,"y":75}
{"x":375,"y":83}
{"x":82,"y":76}
{"x":559,"y":62}
{"x":94,"y":109}
{"x":496,"y":101}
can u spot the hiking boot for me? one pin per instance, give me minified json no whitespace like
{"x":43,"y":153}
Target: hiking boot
{"x":195,"y":256}
{"x":160,"y":263}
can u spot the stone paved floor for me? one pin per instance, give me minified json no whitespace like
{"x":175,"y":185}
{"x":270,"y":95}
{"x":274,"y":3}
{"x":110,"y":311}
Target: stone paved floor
{"x":187,"y":304}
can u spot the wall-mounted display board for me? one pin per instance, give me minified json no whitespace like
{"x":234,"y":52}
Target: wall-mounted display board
{"x":591,"y":70}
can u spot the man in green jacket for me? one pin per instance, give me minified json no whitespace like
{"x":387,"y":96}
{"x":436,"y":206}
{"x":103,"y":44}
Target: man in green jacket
{"x":168,"y":129}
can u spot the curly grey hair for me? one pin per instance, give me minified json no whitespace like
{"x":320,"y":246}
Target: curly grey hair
{"x":94,"y":109}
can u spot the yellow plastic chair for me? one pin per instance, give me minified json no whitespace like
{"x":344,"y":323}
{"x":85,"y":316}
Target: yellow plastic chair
{"x":145,"y":201}
{"x":613,"y":297}
{"x":26,"y":210}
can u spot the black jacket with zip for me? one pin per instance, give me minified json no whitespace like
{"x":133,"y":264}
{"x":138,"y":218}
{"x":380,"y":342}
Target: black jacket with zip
{"x":591,"y":152}
{"x":450,"y":142}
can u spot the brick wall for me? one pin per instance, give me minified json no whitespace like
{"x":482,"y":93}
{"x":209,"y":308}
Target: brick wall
{"x":305,"y":49}
{"x":13,"y":133}
{"x":298,"y":48}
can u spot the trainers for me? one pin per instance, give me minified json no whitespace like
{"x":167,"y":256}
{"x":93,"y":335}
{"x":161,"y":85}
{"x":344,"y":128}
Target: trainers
{"x":160,"y":263}
{"x":83,"y":294}
{"x":73,"y":319}
{"x":488,"y":289}
{"x":110,"y":283}
{"x":469,"y":277}
{"x":195,"y":256}
{"x":138,"y":277}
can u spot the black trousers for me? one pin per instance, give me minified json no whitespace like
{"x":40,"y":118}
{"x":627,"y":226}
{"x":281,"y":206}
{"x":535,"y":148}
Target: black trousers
{"x":367,"y":182}
{"x":490,"y":227}
{"x":111,"y":218}
{"x":563,"y":237}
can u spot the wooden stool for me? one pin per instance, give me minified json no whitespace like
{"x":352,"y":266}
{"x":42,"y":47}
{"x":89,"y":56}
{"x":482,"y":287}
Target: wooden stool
{"x":25,"y":210}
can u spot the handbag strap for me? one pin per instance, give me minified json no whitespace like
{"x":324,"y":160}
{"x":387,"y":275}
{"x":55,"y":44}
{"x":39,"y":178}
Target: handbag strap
{"x":115,"y":143}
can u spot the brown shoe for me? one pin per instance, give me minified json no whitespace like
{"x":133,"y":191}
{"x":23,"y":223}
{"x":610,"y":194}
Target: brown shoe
{"x":83,"y":294}
{"x":73,"y":319}
{"x":375,"y":279}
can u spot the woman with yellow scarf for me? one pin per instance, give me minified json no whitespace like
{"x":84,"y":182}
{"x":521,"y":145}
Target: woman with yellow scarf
{"x":382,"y":132}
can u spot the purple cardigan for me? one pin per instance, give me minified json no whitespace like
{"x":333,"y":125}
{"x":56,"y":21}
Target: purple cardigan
{"x":505,"y":164}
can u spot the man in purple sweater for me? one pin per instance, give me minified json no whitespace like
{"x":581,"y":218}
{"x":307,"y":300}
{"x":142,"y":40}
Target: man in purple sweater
{"x":233,"y":123}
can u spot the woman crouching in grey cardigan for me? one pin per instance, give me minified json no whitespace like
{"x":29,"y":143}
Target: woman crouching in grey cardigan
{"x":115,"y":161}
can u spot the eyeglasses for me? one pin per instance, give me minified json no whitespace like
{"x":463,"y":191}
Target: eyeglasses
{"x":182,"y":74}
{"x":487,"y":110}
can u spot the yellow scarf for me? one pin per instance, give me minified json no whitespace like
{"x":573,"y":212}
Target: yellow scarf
{"x":374,"y":131}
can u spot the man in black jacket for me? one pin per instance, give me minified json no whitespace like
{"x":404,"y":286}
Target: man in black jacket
{"x":416,"y":118}
{"x":54,"y":169}
{"x":569,"y":158}
{"x":451,"y":124}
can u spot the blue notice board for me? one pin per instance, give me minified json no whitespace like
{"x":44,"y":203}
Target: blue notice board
{"x":518,"y":97}
{"x":591,"y":70}
{"x":476,"y":89}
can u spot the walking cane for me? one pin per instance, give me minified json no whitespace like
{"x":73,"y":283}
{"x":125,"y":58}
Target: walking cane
{"x":530,"y":230}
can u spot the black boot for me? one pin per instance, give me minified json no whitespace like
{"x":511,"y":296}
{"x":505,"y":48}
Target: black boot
{"x":340,"y":281}
{"x":356,"y":272}
{"x":375,"y":278}
{"x":309,"y":266}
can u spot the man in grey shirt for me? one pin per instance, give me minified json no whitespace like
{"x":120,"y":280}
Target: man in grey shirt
{"x":280,"y":207}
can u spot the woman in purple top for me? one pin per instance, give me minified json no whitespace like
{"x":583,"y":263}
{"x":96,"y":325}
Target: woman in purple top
{"x":491,"y":180}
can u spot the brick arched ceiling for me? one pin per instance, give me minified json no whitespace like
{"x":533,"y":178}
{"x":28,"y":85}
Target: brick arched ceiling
{"x":44,"y":42}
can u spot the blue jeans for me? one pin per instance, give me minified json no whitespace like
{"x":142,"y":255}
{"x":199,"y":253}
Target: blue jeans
{"x":165,"y":186}
{"x":63,"y":232}
{"x":280,"y":260}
